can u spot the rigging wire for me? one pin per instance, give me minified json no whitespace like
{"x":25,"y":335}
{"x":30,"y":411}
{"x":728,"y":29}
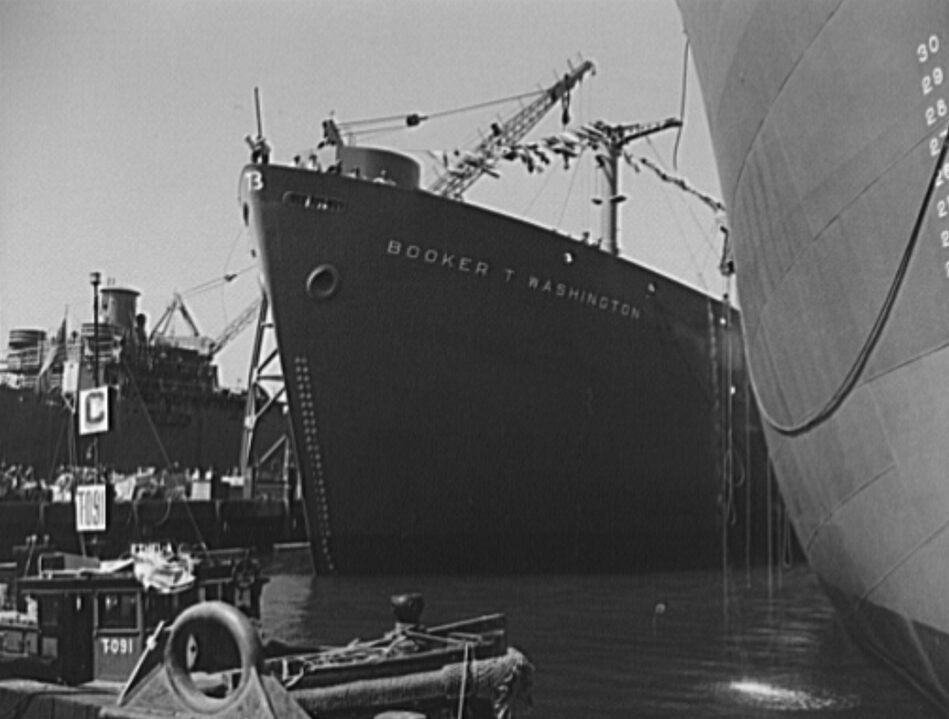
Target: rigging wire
{"x":216,"y":282}
{"x":227,"y":263}
{"x":418,"y":117}
{"x":537,"y":194}
{"x":148,"y":417}
{"x":696,"y":264}
{"x":379,"y":131}
{"x":566,"y":199}
{"x":230,"y":254}
{"x":682,"y":96}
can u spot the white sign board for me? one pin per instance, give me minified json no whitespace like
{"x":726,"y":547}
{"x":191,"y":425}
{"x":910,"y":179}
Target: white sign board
{"x":93,"y":411}
{"x":70,"y":376}
{"x":90,"y":508}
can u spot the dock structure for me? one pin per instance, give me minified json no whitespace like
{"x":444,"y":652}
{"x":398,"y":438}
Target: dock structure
{"x":28,"y":699}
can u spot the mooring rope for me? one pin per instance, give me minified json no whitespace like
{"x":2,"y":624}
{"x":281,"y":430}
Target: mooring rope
{"x":464,"y":681}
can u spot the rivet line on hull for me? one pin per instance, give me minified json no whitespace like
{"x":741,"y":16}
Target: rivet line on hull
{"x":312,"y":455}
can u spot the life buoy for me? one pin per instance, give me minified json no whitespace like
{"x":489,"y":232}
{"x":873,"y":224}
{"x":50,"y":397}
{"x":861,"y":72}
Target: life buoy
{"x":242,"y":633}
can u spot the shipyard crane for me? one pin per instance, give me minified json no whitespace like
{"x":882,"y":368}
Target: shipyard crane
{"x":163,"y":328}
{"x":236,"y":326}
{"x":481,"y":160}
{"x":163,"y":332}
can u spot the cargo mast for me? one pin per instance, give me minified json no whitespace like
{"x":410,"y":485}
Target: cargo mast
{"x":608,"y":141}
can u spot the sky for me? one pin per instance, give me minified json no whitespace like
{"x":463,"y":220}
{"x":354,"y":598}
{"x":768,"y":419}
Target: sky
{"x":122,"y":131}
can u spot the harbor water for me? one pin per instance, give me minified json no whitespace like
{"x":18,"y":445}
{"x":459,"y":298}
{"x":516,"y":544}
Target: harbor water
{"x":731,"y":643}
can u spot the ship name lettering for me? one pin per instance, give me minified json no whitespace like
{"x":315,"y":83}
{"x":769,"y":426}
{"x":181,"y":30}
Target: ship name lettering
{"x":432,"y":256}
{"x":595,"y":300}
{"x":509,"y":273}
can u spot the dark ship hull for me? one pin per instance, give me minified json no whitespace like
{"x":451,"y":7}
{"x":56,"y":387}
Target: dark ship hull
{"x":828,"y":120}
{"x":38,"y":430}
{"x":169,"y":424}
{"x":472,"y":393}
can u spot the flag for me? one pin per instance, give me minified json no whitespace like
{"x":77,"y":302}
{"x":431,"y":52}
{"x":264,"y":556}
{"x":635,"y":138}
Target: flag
{"x":55,"y":355}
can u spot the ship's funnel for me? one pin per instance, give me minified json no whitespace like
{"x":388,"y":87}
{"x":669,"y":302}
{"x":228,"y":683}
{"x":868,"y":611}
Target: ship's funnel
{"x":118,"y":307}
{"x":377,"y":165}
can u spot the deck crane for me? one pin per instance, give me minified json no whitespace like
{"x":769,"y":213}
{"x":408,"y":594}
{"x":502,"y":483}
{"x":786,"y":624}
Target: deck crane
{"x":481,"y":160}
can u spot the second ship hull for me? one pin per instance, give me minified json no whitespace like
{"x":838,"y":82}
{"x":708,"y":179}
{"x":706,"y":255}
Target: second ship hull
{"x":471,"y":393}
{"x":828,"y":120}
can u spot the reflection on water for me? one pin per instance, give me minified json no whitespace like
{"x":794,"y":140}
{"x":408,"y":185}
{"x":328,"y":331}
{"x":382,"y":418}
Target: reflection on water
{"x":690,"y":644}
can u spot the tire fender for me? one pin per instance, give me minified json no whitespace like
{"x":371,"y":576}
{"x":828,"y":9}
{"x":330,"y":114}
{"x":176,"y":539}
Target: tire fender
{"x":242,"y":633}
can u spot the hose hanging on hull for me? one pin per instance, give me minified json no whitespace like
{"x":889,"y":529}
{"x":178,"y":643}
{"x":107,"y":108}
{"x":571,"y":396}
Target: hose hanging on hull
{"x":876,"y":331}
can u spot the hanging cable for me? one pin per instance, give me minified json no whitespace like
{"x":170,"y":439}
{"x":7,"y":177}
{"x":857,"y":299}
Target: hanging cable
{"x":682,"y":91}
{"x":747,"y":470}
{"x":148,"y":417}
{"x":537,"y":194}
{"x":876,"y":330}
{"x":769,"y":502}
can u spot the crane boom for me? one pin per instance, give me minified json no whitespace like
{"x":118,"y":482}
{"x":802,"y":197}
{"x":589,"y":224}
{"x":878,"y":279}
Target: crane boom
{"x":236,"y":326}
{"x":479,"y":161}
{"x":163,"y":326}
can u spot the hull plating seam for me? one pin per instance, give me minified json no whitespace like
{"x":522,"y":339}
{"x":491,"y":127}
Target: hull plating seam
{"x":904,"y":559}
{"x":876,"y":331}
{"x":843,"y":503}
{"x":739,"y":178}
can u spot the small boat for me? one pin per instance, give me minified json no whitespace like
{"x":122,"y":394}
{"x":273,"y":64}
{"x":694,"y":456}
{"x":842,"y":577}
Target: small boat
{"x":76,"y":619}
{"x":465,"y":668}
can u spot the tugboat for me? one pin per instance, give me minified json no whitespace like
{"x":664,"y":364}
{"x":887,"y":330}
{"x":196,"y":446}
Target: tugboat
{"x":75,"y":619}
{"x":105,"y":625}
